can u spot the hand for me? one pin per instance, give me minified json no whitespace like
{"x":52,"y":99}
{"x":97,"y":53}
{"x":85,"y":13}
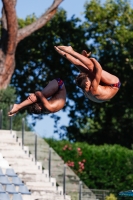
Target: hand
{"x":84,"y":53}
{"x":38,"y":93}
{"x":32,"y":97}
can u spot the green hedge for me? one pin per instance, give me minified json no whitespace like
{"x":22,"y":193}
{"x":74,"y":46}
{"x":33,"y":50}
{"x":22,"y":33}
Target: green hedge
{"x":100,"y":167}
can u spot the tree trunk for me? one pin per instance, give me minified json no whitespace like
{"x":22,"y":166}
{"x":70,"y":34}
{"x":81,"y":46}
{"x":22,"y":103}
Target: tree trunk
{"x":11,"y":36}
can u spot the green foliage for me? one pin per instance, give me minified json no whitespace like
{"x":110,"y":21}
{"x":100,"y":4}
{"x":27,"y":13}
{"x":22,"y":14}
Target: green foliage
{"x":108,"y":31}
{"x":110,"y":27}
{"x":100,"y":167}
{"x":110,"y":197}
{"x":29,"y":19}
{"x":7,"y":99}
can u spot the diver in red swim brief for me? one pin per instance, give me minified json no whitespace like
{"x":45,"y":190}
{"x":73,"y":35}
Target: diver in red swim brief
{"x":97,"y":84}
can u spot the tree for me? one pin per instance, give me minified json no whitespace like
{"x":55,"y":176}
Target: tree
{"x":109,"y":31}
{"x":11,"y":35}
{"x":109,"y":35}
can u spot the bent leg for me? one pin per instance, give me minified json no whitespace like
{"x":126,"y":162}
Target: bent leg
{"x":79,"y":65}
{"x":108,"y":78}
{"x":83,"y":59}
{"x":50,"y":89}
{"x":17,"y":107}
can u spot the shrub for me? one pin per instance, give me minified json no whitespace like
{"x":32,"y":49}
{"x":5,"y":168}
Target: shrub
{"x":100,"y":167}
{"x":111,"y":197}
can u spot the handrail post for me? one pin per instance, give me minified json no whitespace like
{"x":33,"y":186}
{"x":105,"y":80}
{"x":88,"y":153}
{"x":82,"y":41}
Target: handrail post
{"x":35,"y":149}
{"x":10,"y":121}
{"x":49,"y":164}
{"x":23,"y":129}
{"x":10,"y":124}
{"x":1,"y":113}
{"x":64,"y":181}
{"x":80,"y":190}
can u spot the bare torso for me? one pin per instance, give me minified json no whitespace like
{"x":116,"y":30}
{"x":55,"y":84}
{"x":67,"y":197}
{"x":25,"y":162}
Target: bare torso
{"x":103,"y":93}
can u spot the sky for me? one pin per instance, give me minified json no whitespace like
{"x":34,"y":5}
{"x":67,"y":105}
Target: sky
{"x":44,"y":128}
{"x":27,"y":7}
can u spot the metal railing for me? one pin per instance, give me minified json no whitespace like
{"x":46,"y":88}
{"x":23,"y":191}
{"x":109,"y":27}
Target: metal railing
{"x":35,"y":149}
{"x":100,"y":194}
{"x":79,"y":192}
{"x":1,"y":115}
{"x":23,"y":129}
{"x":49,"y":163}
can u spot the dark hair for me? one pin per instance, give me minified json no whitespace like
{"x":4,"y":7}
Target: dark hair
{"x":34,"y":109}
{"x":81,"y":80}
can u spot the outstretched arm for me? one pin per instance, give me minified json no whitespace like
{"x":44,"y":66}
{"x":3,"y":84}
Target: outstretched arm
{"x":79,"y":65}
{"x":86,"y":62}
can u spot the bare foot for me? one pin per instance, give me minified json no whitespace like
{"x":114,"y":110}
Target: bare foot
{"x":67,"y":49}
{"x":14,"y":110}
{"x":60,"y":52}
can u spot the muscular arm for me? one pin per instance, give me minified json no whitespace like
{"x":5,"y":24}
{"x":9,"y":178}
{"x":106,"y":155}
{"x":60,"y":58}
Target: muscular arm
{"x":97,"y":71}
{"x":44,"y":101}
{"x":79,"y":65}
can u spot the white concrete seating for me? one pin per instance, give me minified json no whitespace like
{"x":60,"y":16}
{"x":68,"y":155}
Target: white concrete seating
{"x":4,"y":196}
{"x":17,"y":196}
{"x":2,"y":189}
{"x":11,"y":186}
{"x":23,"y":172}
{"x":57,"y":164}
{"x":10,"y":189}
{"x":4,"y":180}
{"x":1,"y":156}
{"x":17,"y":181}
{"x":1,"y":172}
{"x":4,"y":163}
{"x":10,"y":172}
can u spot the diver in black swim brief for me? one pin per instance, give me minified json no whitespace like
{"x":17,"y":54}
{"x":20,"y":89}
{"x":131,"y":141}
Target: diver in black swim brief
{"x":50,"y":100}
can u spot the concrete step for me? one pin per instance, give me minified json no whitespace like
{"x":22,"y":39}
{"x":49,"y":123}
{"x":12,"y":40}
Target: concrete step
{"x":24,"y":197}
{"x":28,"y":170}
{"x":9,"y":141}
{"x":25,"y":161}
{"x":49,"y":196}
{"x":10,"y":146}
{"x":13,"y":153}
{"x":41,"y":186}
{"x":35,"y":177}
{"x":7,"y":133}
